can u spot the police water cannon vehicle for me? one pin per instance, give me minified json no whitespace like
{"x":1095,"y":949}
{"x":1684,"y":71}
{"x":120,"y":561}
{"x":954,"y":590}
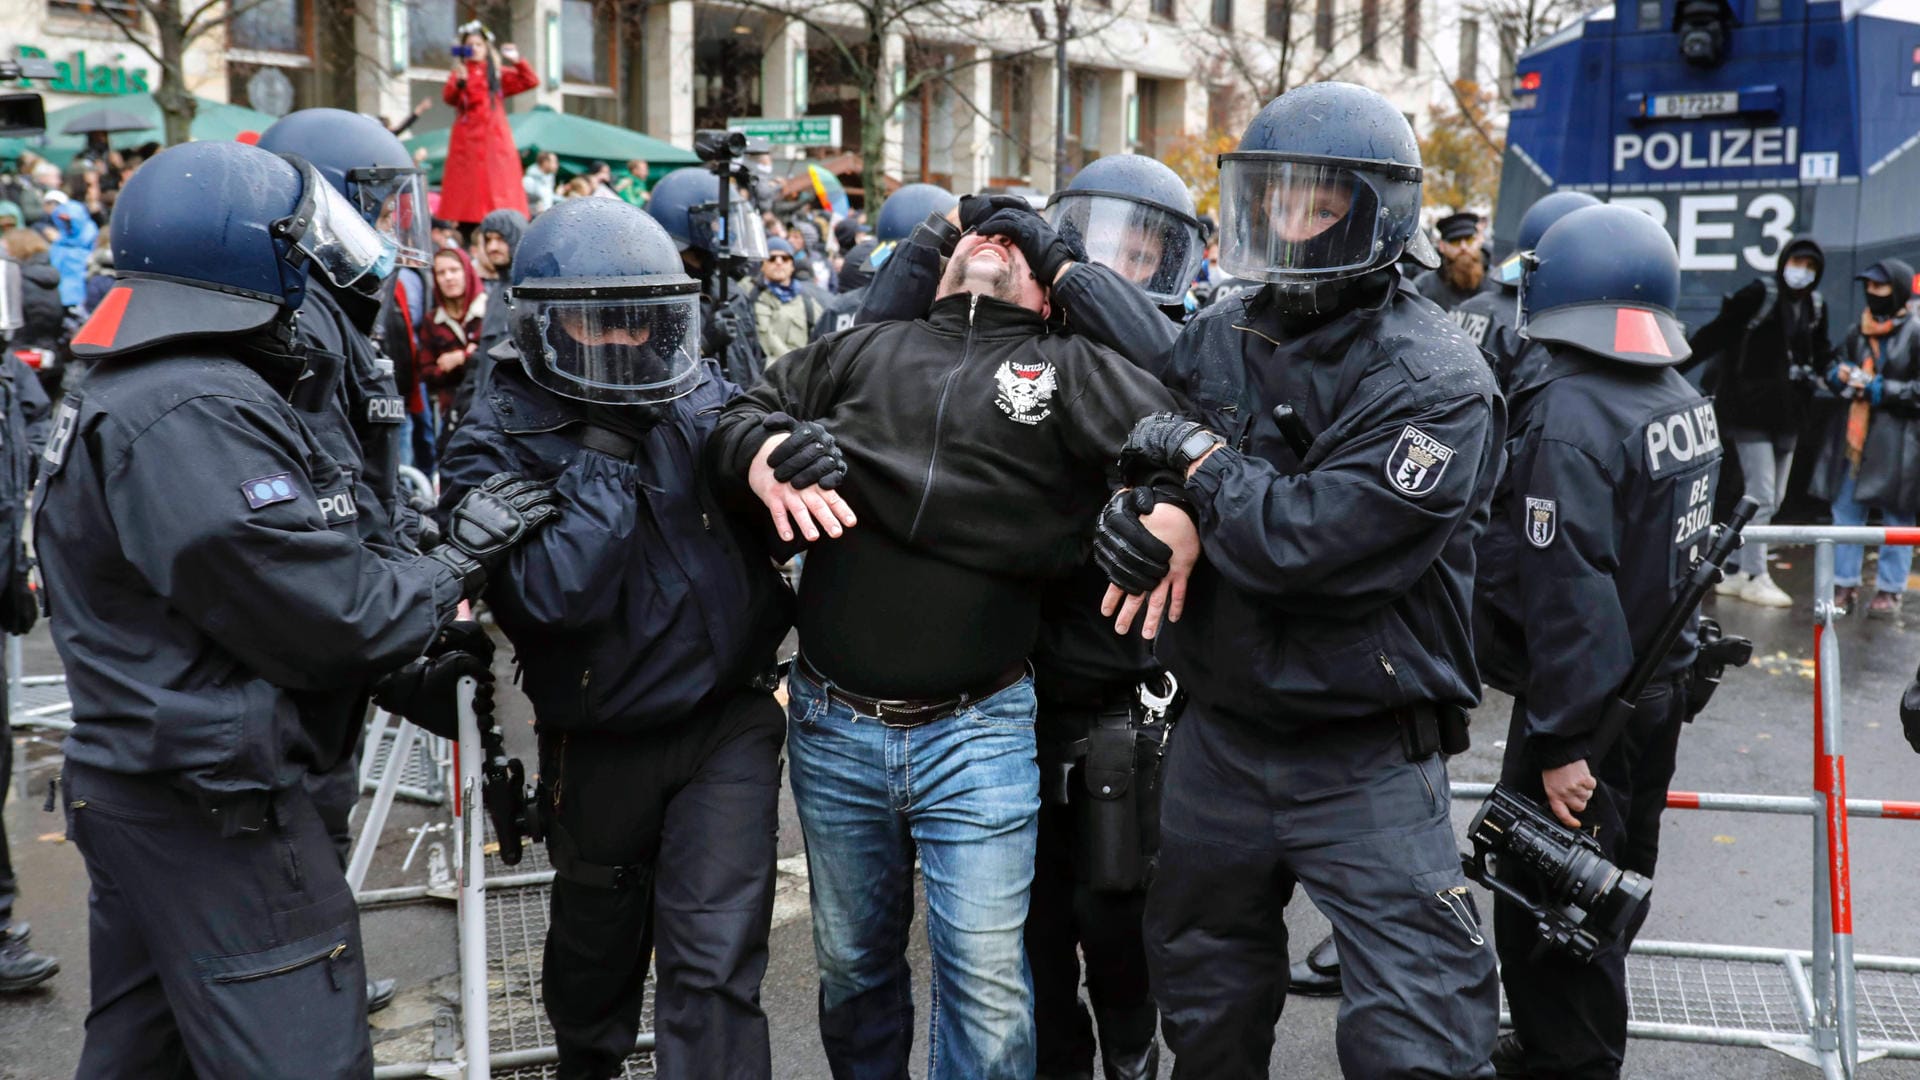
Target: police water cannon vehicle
{"x":1736,"y":124}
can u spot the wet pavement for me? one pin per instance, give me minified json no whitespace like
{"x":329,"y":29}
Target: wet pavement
{"x":1724,"y":878}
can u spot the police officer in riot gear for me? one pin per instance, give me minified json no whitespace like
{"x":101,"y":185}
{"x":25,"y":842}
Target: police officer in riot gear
{"x":646,"y":623}
{"x":1489,"y":318}
{"x":903,"y":211}
{"x":1608,"y":497}
{"x":204,"y":579}
{"x":1135,"y":216}
{"x":360,"y":421}
{"x":686,"y":202}
{"x":1346,"y":443}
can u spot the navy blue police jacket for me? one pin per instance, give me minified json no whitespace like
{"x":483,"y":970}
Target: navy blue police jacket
{"x":1337,"y":585}
{"x":642,"y":598}
{"x":26,"y":414}
{"x":1607,"y":503}
{"x":204,"y":581}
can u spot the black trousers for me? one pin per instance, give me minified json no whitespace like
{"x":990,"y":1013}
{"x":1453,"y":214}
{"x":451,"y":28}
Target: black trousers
{"x":8,"y":886}
{"x":214,"y":955}
{"x":697,"y":806}
{"x":1572,"y":1017}
{"x":1250,"y":813}
{"x":1067,"y":920}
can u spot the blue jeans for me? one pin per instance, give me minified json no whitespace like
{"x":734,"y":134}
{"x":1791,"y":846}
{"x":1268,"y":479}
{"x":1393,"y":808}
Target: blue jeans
{"x":1895,"y":561}
{"x":964,"y":792}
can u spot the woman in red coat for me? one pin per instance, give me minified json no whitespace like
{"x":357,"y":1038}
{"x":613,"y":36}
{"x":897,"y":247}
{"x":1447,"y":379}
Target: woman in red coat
{"x":483,"y":168}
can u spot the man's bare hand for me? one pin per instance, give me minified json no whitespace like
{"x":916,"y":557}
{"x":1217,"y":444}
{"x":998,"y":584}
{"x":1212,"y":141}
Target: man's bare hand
{"x":1569,"y":787}
{"x":1171,"y":526}
{"x":814,"y":509}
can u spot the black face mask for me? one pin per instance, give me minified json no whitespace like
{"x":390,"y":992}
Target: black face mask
{"x":1883,"y":307}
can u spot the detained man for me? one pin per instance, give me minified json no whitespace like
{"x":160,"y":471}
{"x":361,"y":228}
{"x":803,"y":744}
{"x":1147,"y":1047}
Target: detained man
{"x":974,"y":446}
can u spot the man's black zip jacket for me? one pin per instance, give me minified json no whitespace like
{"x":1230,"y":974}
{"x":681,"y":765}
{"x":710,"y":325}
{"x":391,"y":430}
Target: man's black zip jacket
{"x":1338,"y":586}
{"x":977,"y":444}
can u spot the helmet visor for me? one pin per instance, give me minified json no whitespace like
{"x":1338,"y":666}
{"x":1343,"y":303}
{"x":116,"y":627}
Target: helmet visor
{"x":746,"y":233}
{"x":396,"y":203}
{"x":340,"y":243}
{"x":1154,"y":248}
{"x":610,"y":350}
{"x":11,"y":315}
{"x":1290,"y":221}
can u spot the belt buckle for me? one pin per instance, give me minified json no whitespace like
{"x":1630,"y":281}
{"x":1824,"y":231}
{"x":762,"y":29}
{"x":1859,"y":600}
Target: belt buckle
{"x":923,"y":717}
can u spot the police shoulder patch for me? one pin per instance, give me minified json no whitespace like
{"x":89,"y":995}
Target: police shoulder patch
{"x":1416,"y":462}
{"x":267,"y":490}
{"x":1543,"y":521}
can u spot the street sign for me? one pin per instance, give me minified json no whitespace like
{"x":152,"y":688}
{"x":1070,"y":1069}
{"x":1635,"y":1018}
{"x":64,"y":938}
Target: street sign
{"x":799,"y":131}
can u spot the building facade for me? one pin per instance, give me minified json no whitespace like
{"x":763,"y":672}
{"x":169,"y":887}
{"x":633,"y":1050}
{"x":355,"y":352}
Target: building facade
{"x":972,"y":84}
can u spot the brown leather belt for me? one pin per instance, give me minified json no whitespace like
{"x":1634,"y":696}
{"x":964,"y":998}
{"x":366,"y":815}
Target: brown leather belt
{"x":911,"y":712}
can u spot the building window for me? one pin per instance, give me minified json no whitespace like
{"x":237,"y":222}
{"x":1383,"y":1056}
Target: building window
{"x":1161,"y":8}
{"x":1470,"y":50}
{"x":1223,"y":14}
{"x":1370,"y":29}
{"x":1323,"y":25}
{"x":1410,"y":34}
{"x":1012,"y":115}
{"x":1084,"y":119}
{"x":727,"y":55}
{"x":272,"y":26}
{"x":586,"y":42}
{"x":1279,"y":19}
{"x":1147,"y":91}
{"x":126,"y":9}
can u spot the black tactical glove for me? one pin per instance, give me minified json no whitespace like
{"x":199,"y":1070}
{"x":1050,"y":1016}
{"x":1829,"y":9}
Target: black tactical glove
{"x":808,"y":456}
{"x":423,"y":691}
{"x":1132,"y":558}
{"x":1046,"y":250}
{"x":1164,"y":441}
{"x":418,"y":532}
{"x":1910,"y":714}
{"x":975,"y":209}
{"x":490,"y":521}
{"x":19,"y":608}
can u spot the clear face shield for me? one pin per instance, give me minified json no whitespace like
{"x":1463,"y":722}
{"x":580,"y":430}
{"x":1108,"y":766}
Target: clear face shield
{"x":10,"y":314}
{"x":336,"y":240}
{"x":640,"y":348}
{"x":1285,"y":221}
{"x":744,"y":232}
{"x":1154,"y":248}
{"x":395,"y":201}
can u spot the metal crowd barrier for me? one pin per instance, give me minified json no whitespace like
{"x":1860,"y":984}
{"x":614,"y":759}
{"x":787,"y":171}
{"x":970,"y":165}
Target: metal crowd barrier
{"x":1824,"y":1006}
{"x":35,"y":701}
{"x":502,"y":926}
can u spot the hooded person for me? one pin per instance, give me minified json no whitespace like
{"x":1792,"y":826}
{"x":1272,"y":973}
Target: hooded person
{"x":74,"y":234}
{"x":500,"y":233}
{"x":1760,"y":357}
{"x":1463,"y":269}
{"x":1871,"y":457}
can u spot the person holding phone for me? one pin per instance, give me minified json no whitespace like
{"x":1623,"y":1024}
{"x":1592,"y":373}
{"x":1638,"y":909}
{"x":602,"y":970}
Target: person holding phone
{"x":483,"y":167}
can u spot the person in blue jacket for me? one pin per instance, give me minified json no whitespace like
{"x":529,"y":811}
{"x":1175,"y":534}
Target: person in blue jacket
{"x":74,"y":233}
{"x":645,"y":625}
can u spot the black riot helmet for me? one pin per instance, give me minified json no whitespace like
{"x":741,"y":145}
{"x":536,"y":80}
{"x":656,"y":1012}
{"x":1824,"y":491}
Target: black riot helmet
{"x":1325,"y":186}
{"x":1135,"y":216}
{"x":686,"y":202}
{"x":216,"y":239}
{"x":601,"y":309}
{"x":368,"y":165}
{"x":1539,"y":217}
{"x":1605,"y":279}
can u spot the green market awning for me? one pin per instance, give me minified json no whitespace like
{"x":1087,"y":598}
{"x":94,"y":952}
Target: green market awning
{"x":577,"y":140}
{"x":212,"y":120}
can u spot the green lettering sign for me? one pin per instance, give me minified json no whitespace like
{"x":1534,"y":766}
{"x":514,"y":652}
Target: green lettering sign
{"x":76,"y":76}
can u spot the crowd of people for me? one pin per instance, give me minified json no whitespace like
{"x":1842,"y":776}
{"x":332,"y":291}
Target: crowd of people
{"x":1053,"y":481}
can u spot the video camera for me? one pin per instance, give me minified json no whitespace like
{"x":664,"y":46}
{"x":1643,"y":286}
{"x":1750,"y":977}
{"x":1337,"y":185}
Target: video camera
{"x":721,"y":149}
{"x":23,"y":114}
{"x":1587,"y":902}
